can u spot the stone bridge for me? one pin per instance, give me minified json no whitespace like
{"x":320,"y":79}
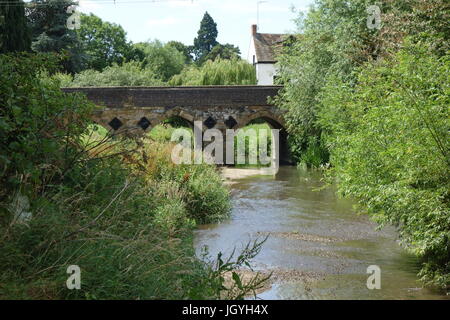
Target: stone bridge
{"x":139,"y":109}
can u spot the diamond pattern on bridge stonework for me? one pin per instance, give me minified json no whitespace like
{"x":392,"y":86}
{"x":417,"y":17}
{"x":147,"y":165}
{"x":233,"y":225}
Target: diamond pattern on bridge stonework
{"x":230,"y":122}
{"x":210,"y":122}
{"x":144,"y":123}
{"x":115,"y":123}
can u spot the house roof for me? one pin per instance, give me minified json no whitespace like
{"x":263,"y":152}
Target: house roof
{"x":266,"y":44}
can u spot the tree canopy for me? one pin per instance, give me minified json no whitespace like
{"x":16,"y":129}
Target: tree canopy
{"x":222,"y":51}
{"x":184,"y":49}
{"x":103,"y":42}
{"x":164,"y":59}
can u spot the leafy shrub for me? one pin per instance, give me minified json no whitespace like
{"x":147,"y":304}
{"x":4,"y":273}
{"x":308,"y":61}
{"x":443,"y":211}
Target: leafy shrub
{"x":40,"y":126}
{"x":323,"y":48}
{"x":315,"y":154}
{"x":163,"y":132}
{"x":199,"y":186}
{"x":333,"y":41}
{"x":206,"y":199}
{"x":64,"y":79}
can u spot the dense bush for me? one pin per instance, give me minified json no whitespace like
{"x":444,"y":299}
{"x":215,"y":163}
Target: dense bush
{"x":199,"y":186}
{"x":390,"y":149}
{"x":333,"y":39}
{"x":40,"y":126}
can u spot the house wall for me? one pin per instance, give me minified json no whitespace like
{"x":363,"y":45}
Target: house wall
{"x":265,"y":73}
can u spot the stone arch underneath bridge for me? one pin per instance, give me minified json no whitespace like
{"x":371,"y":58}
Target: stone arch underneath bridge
{"x":275,"y":121}
{"x":176,"y":112}
{"x":136,"y":110}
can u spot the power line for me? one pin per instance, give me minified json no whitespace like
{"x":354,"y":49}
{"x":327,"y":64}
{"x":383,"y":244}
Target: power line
{"x":41,"y":4}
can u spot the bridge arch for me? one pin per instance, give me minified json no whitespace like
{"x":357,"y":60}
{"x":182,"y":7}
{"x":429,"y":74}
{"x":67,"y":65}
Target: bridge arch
{"x":275,"y":122}
{"x":174,"y":113}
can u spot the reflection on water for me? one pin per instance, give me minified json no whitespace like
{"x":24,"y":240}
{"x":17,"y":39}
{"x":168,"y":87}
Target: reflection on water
{"x":315,"y":234}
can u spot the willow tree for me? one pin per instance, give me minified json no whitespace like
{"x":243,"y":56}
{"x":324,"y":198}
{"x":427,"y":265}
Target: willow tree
{"x":218,"y":72}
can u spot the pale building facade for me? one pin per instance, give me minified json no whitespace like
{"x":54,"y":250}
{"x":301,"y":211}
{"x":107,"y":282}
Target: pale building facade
{"x":262,"y":55}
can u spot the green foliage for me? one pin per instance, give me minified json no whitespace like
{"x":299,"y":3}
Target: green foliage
{"x":325,"y":48}
{"x":127,"y":74}
{"x":218,"y":72}
{"x":64,"y":79}
{"x":189,"y":76}
{"x":163,"y":59}
{"x":206,"y":198}
{"x":390,"y":148}
{"x":315,"y":154}
{"x":163,"y":132}
{"x":199,"y":186}
{"x":104,"y":43}
{"x":326,"y":51}
{"x":14,"y":32}
{"x":422,"y":21}
{"x":39,"y":124}
{"x":206,"y":37}
{"x":377,"y":109}
{"x":185,"y":50}
{"x":223,"y":51}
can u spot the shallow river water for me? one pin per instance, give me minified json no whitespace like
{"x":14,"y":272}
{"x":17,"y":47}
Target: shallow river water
{"x":318,"y":247}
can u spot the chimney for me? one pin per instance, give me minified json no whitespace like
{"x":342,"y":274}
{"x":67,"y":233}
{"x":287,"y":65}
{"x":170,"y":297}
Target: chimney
{"x":254,"y":29}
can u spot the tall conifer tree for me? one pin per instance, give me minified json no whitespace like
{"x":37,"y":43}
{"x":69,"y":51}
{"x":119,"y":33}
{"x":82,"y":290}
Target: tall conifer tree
{"x":206,"y":37}
{"x":14,"y":33}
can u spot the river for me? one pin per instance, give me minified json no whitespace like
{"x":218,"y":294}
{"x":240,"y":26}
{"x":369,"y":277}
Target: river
{"x":318,"y":247}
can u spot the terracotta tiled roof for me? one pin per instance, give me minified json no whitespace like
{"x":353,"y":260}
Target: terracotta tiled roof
{"x":265,"y":45}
